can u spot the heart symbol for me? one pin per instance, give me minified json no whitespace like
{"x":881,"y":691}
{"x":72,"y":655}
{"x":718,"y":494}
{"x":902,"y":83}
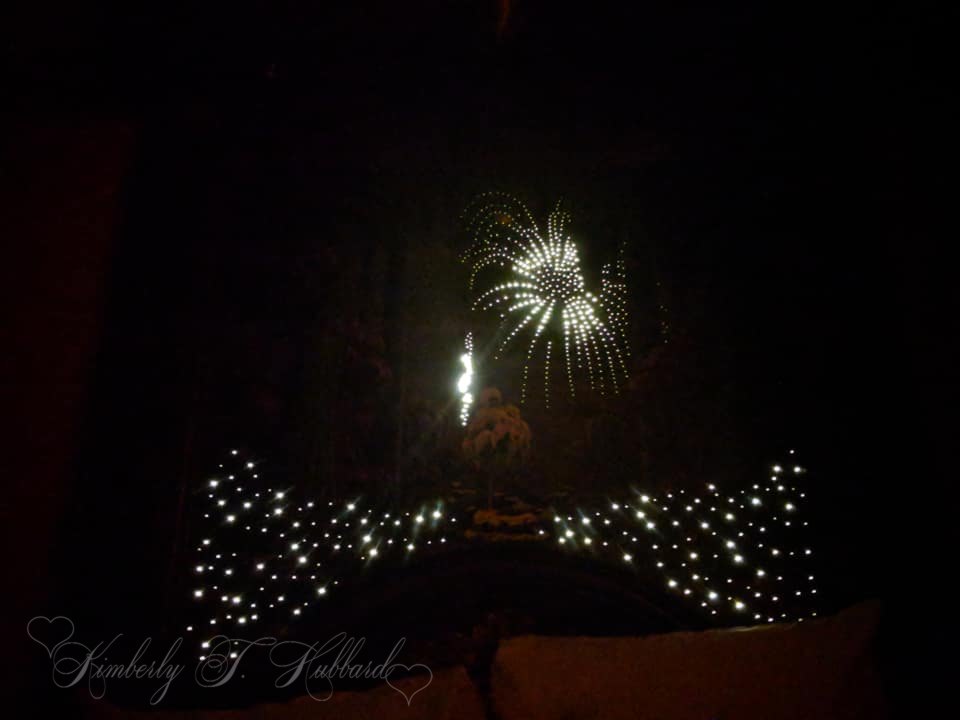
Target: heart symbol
{"x":50,"y":627}
{"x":409,"y":668}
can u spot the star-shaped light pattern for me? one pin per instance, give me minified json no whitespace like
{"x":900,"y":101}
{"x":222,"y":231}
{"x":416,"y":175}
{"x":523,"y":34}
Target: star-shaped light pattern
{"x":268,"y":557}
{"x":739,"y":554}
{"x":545,"y":295}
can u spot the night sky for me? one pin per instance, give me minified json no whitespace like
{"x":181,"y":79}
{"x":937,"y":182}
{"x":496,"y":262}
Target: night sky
{"x":239,"y":223}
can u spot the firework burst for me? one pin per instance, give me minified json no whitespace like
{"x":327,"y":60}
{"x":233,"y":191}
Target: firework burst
{"x":544,"y":295}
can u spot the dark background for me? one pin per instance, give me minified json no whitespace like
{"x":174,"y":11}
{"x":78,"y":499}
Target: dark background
{"x":240,"y":224}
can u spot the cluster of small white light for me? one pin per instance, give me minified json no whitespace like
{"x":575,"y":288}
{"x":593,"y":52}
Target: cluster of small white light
{"x":613,"y":294}
{"x":547,"y":286}
{"x":465,"y":383}
{"x":741,"y":553}
{"x":266,"y":557}
{"x":737,"y":555}
{"x":664,"y":319}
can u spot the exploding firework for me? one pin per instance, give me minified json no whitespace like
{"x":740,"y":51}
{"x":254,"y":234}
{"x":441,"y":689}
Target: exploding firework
{"x":545,"y":295}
